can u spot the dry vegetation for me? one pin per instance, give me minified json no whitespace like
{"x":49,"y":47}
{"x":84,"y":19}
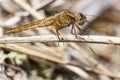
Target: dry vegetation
{"x":41,"y":56}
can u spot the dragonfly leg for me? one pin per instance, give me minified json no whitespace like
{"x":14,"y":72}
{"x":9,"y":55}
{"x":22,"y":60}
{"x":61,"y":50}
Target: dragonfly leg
{"x":72,"y":30}
{"x":76,"y":32}
{"x":78,"y":27}
{"x":58,"y":34}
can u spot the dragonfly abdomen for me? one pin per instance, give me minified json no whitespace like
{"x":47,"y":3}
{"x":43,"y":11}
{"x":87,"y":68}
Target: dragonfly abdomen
{"x":40,"y":23}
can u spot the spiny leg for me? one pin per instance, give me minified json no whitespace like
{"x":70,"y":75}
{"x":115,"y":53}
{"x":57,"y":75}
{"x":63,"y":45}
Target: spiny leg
{"x":78,"y":27}
{"x":58,"y":33}
{"x":79,"y":30}
{"x":75,"y":33}
{"x":72,"y":29}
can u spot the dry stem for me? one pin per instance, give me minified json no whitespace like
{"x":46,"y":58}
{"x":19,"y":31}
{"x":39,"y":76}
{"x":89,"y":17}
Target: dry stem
{"x":67,"y":38}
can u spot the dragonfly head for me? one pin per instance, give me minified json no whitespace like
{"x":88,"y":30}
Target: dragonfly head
{"x":81,"y":19}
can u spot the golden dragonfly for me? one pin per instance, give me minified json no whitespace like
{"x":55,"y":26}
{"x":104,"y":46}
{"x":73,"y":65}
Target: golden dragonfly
{"x":58,"y":21}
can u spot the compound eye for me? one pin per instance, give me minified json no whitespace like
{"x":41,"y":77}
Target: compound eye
{"x":81,"y":19}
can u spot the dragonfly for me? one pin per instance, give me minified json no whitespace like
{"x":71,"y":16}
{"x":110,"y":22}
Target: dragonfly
{"x":58,"y":21}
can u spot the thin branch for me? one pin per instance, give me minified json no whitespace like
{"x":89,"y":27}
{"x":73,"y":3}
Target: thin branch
{"x":67,"y":38}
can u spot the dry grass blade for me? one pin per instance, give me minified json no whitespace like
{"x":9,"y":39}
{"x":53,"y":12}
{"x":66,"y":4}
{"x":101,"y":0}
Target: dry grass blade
{"x":68,"y":38}
{"x":77,"y":70}
{"x":31,"y":51}
{"x":98,"y":67}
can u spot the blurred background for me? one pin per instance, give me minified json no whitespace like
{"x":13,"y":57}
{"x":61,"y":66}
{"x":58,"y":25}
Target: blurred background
{"x":60,"y":61}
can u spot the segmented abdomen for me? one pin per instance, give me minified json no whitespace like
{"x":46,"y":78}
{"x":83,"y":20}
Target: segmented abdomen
{"x":40,"y":23}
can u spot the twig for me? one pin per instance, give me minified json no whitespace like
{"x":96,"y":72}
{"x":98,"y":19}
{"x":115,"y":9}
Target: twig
{"x":67,"y":38}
